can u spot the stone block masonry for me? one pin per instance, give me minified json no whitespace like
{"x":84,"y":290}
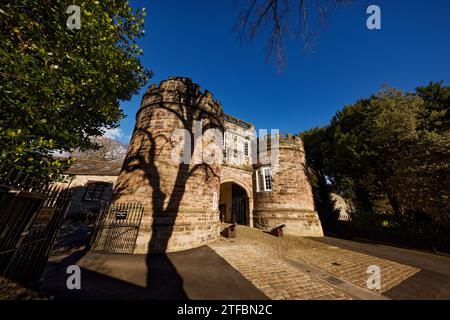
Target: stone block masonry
{"x":181,"y":199}
{"x":291,"y":199}
{"x":178,"y":198}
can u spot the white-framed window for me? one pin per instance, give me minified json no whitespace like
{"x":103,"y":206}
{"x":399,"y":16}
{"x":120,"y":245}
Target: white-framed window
{"x":225,"y":135}
{"x":246,"y":147}
{"x":264,"y":179}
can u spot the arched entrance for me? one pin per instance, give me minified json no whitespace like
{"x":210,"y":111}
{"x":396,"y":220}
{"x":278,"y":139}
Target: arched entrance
{"x":234,"y":203}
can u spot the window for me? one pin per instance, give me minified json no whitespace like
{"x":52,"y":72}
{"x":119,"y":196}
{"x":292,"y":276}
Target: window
{"x":246,"y":143}
{"x":224,"y":146}
{"x":264,"y":179}
{"x":94,"y":191}
{"x":267,"y":179}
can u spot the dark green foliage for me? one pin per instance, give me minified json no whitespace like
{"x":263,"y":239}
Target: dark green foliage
{"x":389,"y":154}
{"x":59,"y":86}
{"x":316,"y":142}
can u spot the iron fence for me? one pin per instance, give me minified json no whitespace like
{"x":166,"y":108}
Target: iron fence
{"x":117,"y":228}
{"x":31,"y":213}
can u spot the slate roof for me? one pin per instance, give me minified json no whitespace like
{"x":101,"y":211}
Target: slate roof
{"x":94,"y":167}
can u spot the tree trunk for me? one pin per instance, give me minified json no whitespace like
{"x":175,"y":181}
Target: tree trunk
{"x":395,"y":204}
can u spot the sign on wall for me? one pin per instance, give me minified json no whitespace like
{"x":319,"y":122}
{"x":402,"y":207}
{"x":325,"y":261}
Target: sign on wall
{"x":214,"y":201}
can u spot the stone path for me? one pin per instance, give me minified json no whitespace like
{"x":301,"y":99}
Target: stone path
{"x":10,"y":290}
{"x":274,"y":277}
{"x":265,"y":261}
{"x":255,"y":265}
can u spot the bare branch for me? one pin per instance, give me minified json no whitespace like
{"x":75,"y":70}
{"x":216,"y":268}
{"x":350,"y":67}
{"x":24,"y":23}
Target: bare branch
{"x":108,"y":150}
{"x":275,"y":16}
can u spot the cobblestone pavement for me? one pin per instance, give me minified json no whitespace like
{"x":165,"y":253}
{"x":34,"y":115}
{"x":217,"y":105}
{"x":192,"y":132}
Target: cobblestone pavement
{"x":262,"y":259}
{"x":10,"y":290}
{"x":274,"y":277}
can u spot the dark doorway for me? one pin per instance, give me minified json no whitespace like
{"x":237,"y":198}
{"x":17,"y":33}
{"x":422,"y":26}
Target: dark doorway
{"x":223,"y":212}
{"x":234,"y":203}
{"x":239,"y":205}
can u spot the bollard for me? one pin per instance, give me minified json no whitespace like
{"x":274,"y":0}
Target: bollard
{"x":230,"y":232}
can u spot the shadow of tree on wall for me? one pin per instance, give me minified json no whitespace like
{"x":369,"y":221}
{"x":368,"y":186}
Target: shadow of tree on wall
{"x":157,"y":140}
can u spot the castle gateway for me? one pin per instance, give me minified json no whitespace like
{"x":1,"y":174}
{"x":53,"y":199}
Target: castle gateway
{"x":186,"y":201}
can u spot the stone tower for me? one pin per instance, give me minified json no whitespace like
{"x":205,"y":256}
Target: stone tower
{"x":180,"y":199}
{"x":290,"y":200}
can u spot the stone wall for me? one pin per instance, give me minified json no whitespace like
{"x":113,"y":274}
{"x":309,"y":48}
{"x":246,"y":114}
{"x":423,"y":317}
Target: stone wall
{"x":178,"y":198}
{"x":291,"y":200}
{"x":79,"y":206}
{"x":237,"y":135}
{"x":181,"y":199}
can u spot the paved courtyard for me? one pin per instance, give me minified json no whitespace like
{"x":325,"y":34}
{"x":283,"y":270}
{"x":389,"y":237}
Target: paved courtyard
{"x":301,"y":268}
{"x":255,"y":265}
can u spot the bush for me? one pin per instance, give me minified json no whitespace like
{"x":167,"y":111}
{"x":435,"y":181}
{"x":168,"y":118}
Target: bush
{"x":413,"y":229}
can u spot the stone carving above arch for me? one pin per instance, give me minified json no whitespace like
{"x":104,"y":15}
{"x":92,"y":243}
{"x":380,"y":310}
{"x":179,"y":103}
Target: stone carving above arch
{"x":240,"y":177}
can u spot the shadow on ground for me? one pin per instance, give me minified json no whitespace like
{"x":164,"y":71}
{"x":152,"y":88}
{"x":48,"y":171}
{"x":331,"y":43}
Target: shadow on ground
{"x":72,"y":237}
{"x":194,"y":274}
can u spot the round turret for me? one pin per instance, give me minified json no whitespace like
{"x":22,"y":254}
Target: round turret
{"x":283,"y":193}
{"x":164,"y":169}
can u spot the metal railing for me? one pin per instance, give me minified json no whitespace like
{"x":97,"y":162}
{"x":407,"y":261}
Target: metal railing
{"x":117,"y":228}
{"x":31,"y":213}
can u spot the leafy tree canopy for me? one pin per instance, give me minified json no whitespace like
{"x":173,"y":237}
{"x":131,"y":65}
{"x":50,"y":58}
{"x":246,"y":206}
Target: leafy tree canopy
{"x":61,"y":86}
{"x":388,"y":152}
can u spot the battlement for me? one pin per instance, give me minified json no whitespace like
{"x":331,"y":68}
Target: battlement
{"x":284,"y":141}
{"x":238,"y":122}
{"x":181,"y":90}
{"x":291,"y":141}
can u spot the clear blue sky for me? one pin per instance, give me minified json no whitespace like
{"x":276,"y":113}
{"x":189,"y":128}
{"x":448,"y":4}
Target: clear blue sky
{"x":195,"y":39}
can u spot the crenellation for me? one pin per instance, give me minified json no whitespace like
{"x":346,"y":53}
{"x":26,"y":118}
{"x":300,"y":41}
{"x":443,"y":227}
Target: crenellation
{"x":181,"y":202}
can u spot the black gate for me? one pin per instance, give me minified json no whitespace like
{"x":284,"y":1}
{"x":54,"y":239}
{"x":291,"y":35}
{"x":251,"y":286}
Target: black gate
{"x":31,"y":213}
{"x":239,"y":205}
{"x":117,"y":228}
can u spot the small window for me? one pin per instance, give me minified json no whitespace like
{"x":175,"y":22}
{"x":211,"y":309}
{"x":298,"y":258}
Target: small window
{"x":267,"y":179}
{"x":224,"y":146}
{"x":264,"y":179}
{"x":246,"y":146}
{"x":94,"y":192}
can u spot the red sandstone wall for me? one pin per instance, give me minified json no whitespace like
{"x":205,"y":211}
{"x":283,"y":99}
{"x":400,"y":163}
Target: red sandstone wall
{"x":178,"y":198}
{"x":291,"y":201}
